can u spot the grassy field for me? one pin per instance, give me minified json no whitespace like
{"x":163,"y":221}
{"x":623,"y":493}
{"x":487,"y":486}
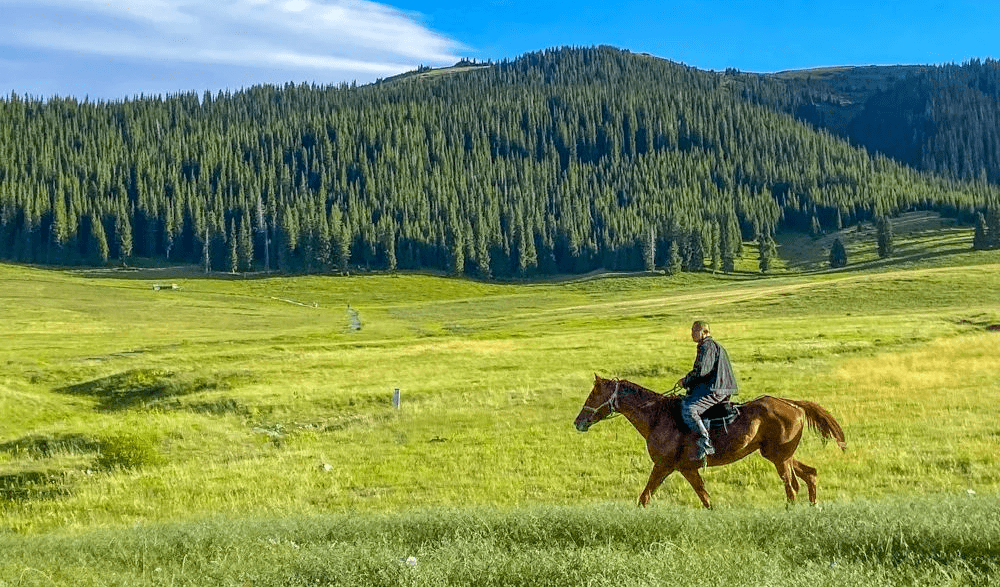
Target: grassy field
{"x":239,"y":431}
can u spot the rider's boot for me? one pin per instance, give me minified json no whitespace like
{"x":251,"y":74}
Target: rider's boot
{"x":705,"y":447}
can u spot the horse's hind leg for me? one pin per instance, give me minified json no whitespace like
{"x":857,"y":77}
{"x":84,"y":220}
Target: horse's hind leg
{"x":807,"y":474}
{"x":787,"y":474}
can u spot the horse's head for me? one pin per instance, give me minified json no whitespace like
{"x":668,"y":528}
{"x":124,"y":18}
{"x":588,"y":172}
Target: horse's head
{"x":601,"y":403}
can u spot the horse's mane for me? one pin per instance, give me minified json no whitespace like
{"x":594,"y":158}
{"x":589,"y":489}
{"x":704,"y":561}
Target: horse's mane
{"x":664,"y":399}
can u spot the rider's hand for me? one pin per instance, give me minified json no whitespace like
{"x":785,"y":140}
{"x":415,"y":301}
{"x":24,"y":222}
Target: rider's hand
{"x":680,"y":382}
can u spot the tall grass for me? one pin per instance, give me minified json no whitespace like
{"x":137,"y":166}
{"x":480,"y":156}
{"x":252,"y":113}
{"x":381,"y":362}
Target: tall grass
{"x":950,"y":541}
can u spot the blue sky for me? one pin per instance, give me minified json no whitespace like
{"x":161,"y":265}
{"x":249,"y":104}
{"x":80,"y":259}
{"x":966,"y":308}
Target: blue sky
{"x":112,"y":49}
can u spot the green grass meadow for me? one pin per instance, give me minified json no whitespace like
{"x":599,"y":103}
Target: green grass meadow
{"x":237,"y":431}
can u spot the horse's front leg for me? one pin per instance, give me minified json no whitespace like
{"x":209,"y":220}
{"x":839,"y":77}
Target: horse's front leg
{"x":694,"y":478}
{"x":656,"y":477}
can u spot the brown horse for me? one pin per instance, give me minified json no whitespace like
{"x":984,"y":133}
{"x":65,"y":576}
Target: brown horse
{"x":769,"y":424}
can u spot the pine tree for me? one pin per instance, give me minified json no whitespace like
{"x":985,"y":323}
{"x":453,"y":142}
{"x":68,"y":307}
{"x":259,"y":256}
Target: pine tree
{"x":99,"y":237}
{"x":993,"y":228}
{"x":287,"y":235}
{"x":649,"y":250}
{"x":695,"y":260}
{"x":674,"y":261}
{"x":714,"y":246}
{"x":264,"y":231}
{"x":218,"y":241}
{"x":885,"y":237}
{"x":815,"y":229}
{"x":233,"y":247}
{"x":340,"y":233}
{"x":387,"y":241}
{"x":838,"y":255}
{"x":322,"y":241}
{"x":729,"y":242}
{"x":206,"y":248}
{"x":123,"y":234}
{"x":60,"y":228}
{"x":980,"y":239}
{"x":767,"y":251}
{"x":171,"y":227}
{"x":456,"y":249}
{"x":482,"y":251}
{"x":244,"y":249}
{"x":27,"y":237}
{"x":528,"y":252}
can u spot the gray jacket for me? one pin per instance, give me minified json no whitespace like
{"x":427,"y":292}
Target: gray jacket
{"x":712,"y":372}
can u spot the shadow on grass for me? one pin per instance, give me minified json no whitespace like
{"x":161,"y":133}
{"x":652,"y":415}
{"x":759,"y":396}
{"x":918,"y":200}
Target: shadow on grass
{"x":892,"y":262}
{"x":38,"y":446}
{"x":32,"y":485}
{"x":155,"y":388}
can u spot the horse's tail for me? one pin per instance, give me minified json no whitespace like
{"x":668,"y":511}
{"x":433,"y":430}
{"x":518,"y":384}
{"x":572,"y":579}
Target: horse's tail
{"x":822,"y":422}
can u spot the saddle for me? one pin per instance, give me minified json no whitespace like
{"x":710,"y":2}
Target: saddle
{"x":721,"y":415}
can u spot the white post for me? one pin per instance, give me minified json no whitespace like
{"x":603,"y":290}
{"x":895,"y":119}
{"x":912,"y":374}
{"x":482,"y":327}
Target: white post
{"x":395,"y":398}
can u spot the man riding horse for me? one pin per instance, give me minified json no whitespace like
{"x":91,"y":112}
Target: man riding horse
{"x":771,"y":425}
{"x":710,"y":382}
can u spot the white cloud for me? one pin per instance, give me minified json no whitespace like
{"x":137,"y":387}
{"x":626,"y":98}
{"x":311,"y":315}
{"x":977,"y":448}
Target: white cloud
{"x":308,"y":38}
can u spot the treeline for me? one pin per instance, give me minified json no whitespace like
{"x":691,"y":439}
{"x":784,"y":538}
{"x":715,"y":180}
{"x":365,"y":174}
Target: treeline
{"x":560,"y":161}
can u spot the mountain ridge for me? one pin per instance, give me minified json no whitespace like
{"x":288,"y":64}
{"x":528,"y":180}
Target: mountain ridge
{"x":560,"y":161}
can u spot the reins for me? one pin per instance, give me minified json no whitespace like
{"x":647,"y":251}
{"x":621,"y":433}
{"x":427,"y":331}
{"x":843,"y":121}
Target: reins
{"x":615,"y":398}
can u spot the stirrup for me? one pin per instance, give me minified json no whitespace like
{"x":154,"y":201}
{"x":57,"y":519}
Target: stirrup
{"x":705,"y":449}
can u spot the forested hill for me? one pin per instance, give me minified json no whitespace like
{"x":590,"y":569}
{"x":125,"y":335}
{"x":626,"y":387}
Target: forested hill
{"x":945,"y":120}
{"x":942,"y":119}
{"x":560,"y":161}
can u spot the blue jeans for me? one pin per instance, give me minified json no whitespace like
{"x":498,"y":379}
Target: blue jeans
{"x":694,"y":404}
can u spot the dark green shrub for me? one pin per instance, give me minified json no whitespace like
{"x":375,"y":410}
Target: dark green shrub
{"x":126,"y":450}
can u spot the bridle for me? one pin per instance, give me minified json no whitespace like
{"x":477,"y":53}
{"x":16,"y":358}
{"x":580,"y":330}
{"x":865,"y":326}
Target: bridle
{"x":611,"y":403}
{"x":615,"y":397}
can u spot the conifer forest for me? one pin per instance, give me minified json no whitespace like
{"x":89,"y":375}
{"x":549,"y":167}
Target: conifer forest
{"x":561,"y":161}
